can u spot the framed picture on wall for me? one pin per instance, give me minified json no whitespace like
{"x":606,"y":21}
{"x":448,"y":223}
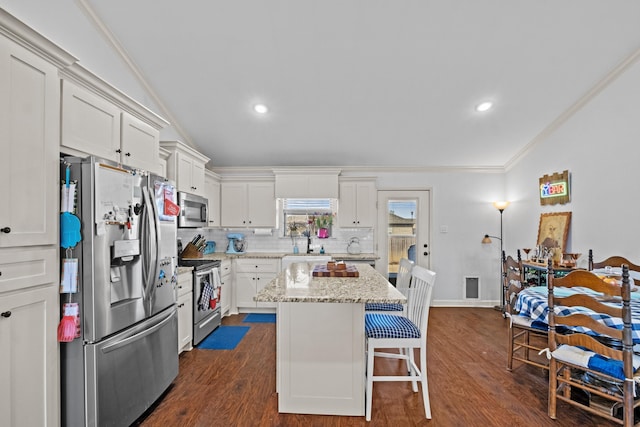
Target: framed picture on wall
{"x":553,"y":230}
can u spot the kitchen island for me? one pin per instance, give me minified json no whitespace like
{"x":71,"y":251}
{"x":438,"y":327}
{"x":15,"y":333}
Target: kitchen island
{"x":320,"y":347}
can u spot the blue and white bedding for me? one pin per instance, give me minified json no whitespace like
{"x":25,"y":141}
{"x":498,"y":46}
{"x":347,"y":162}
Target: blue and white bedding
{"x":532,"y":302}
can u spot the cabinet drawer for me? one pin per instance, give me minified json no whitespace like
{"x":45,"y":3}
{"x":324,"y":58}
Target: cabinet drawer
{"x":23,"y":269}
{"x":225,"y":267}
{"x":252,"y":265}
{"x":185,"y":283}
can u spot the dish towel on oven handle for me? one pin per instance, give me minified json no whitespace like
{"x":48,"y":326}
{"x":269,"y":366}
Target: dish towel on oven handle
{"x":205,"y":295}
{"x":209,"y":290}
{"x":217,"y":283}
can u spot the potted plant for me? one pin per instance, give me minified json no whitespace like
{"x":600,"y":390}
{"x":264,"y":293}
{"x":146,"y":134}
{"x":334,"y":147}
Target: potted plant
{"x":322,"y":223}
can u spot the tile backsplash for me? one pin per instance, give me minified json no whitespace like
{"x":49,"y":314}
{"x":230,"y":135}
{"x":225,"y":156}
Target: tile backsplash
{"x":258,"y":240}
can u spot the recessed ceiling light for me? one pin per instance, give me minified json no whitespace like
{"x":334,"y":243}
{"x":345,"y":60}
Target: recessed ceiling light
{"x":484,"y":106}
{"x":260,"y":108}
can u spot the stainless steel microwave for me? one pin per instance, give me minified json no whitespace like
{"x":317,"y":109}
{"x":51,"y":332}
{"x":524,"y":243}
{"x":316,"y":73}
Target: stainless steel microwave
{"x":193,"y":210}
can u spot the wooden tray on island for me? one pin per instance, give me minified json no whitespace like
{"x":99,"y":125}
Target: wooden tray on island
{"x":321,"y":270}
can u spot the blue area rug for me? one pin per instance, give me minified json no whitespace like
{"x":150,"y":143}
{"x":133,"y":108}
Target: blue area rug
{"x":224,"y":338}
{"x":260,"y":318}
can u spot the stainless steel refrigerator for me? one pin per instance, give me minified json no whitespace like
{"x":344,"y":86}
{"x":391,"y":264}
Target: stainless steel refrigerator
{"x":126,"y":354}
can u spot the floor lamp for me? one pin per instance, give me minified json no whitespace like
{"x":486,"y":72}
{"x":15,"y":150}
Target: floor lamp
{"x":501,"y":206}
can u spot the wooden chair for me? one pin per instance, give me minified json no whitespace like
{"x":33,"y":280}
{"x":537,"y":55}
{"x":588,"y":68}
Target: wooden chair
{"x":524,"y":336}
{"x":403,"y":280}
{"x":612,"y":261}
{"x":577,"y":376}
{"x":406,"y":333}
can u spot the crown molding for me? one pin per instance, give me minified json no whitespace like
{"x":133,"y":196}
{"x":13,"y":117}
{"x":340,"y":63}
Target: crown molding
{"x":21,"y":33}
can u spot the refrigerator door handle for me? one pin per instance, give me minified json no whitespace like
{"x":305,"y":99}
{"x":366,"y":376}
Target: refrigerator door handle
{"x":121,"y":343}
{"x":150,"y":260}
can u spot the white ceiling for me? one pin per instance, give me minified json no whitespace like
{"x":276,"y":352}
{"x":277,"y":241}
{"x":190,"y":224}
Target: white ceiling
{"x":375,"y":83}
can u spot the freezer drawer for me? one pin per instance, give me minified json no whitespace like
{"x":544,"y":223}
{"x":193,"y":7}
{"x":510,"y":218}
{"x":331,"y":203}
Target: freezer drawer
{"x":126,"y":373}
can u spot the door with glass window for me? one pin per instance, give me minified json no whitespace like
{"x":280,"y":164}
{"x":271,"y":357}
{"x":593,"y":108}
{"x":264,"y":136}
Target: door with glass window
{"x":403,"y":229}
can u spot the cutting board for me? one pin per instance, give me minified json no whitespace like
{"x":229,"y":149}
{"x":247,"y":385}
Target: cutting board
{"x":321,"y":270}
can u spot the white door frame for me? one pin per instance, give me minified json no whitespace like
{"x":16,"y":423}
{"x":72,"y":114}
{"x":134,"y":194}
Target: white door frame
{"x":423,"y":226}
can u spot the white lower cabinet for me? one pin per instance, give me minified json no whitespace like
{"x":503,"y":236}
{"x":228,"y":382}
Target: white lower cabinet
{"x":185,"y":311}
{"x":253,"y":274}
{"x":29,"y":315}
{"x":227,"y":286}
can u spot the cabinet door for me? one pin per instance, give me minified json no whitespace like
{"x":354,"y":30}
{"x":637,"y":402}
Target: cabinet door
{"x":90,"y":124}
{"x":347,"y":215}
{"x":261,"y":204}
{"x":225,"y":298}
{"x":29,"y":140}
{"x":185,"y":322}
{"x":233,"y":204}
{"x":245,"y":289}
{"x":140,"y":144}
{"x":197,"y":178}
{"x":183,"y":176}
{"x":212,"y":193}
{"x":29,"y":357}
{"x":366,"y":204}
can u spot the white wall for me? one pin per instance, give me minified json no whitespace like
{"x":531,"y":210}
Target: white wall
{"x":600,"y":146}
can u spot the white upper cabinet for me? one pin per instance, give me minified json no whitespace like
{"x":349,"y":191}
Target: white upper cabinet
{"x":29,"y":140}
{"x":212,"y":193}
{"x":139,"y":144}
{"x":186,"y":166}
{"x":248,"y":204}
{"x":98,"y":120}
{"x":90,"y":123}
{"x":357,"y":204}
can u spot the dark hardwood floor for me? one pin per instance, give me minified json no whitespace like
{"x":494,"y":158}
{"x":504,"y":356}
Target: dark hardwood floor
{"x":468,"y":383}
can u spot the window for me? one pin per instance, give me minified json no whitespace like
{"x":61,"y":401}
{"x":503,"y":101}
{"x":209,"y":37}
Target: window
{"x":297,"y":213}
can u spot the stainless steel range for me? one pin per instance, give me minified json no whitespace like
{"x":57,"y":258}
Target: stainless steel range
{"x":206,"y":296}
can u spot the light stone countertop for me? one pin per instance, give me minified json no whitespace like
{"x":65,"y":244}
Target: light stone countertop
{"x":340,"y":256}
{"x":296,"y":284}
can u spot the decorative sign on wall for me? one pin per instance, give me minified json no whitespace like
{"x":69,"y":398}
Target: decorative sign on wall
{"x":554,"y":189}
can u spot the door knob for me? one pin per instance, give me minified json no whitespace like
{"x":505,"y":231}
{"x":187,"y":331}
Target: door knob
{"x":5,"y":230}
{"x":425,"y":253}
{"x":6,"y":314}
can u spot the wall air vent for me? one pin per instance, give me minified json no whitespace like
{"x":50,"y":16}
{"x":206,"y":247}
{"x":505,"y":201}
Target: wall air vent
{"x":471,"y":287}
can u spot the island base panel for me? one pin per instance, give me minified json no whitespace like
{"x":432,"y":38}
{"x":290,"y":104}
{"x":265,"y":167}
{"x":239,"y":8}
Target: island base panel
{"x":321,"y":360}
